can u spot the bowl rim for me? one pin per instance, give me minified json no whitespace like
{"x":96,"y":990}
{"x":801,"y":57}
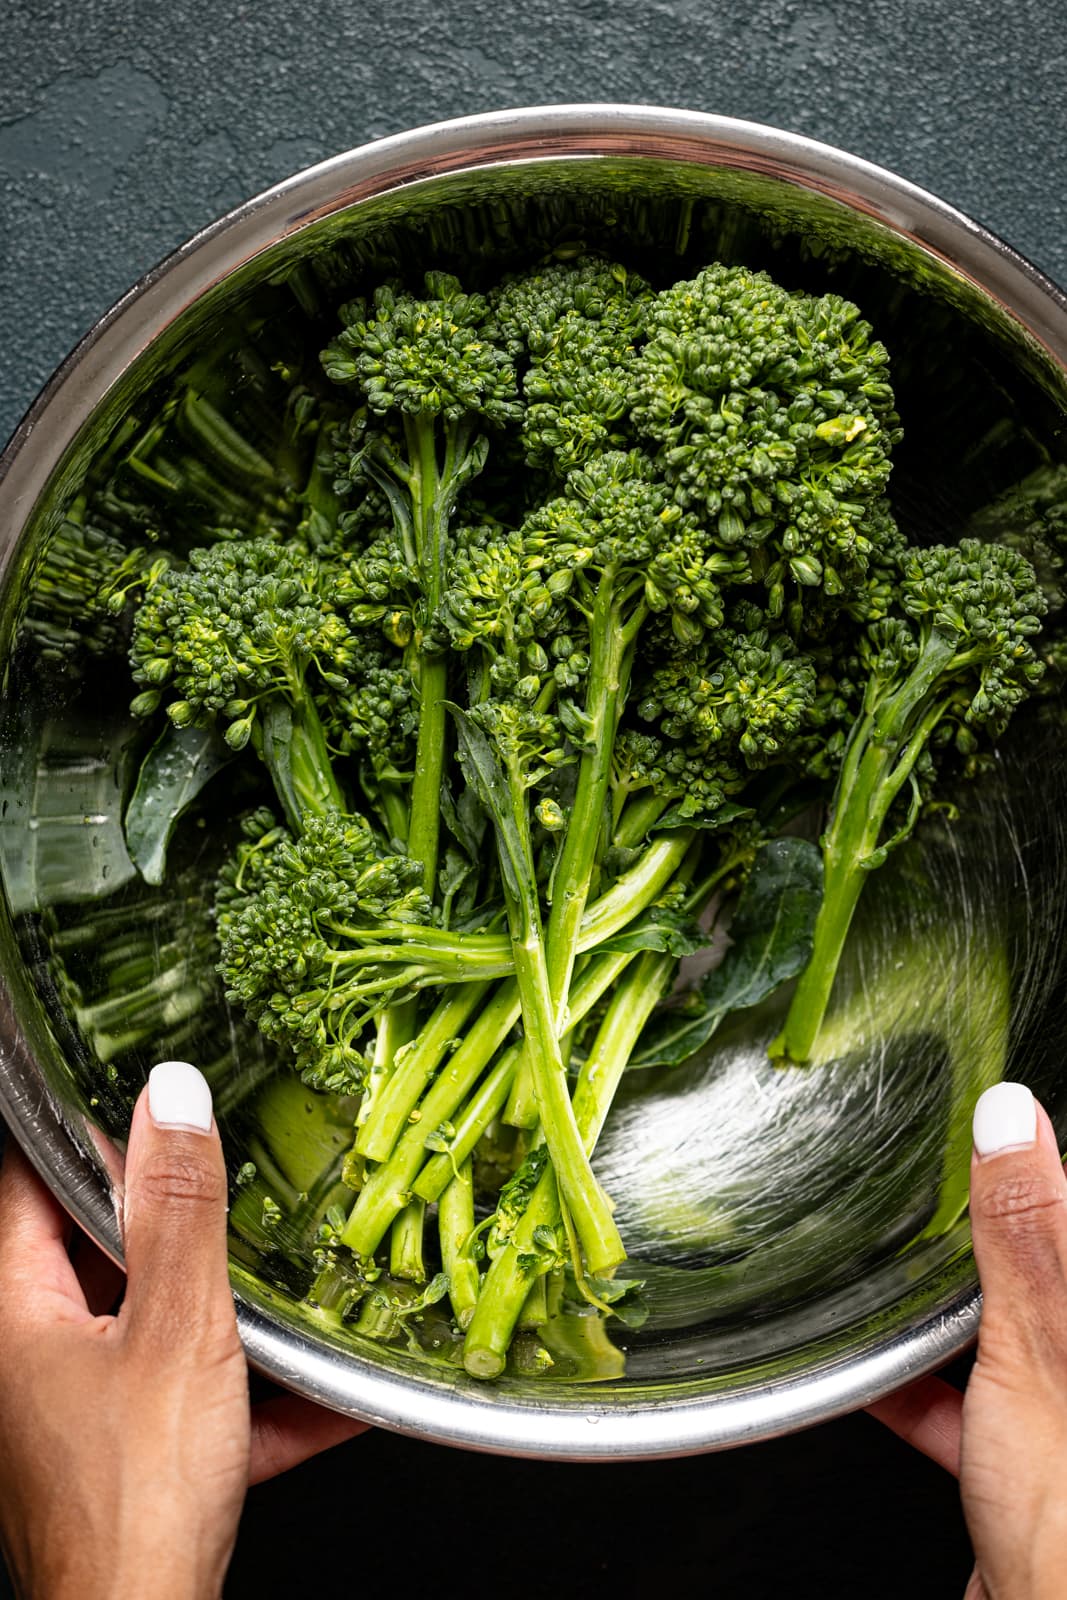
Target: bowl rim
{"x":648,"y":1427}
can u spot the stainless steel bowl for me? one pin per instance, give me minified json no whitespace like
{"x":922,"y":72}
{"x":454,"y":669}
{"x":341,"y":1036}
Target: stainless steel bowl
{"x":792,"y":1283}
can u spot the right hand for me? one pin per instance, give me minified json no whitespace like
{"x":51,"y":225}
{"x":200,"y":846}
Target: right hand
{"x":1007,"y":1437}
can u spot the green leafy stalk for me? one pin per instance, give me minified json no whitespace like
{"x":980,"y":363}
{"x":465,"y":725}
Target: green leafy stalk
{"x":507,"y":1282}
{"x":608,"y":671}
{"x":968,"y":658}
{"x":611,"y":635}
{"x":405,"y":1244}
{"x":455,"y":1221}
{"x":534,"y":1313}
{"x":469,"y":1125}
{"x":431,"y":366}
{"x":433,"y":486}
{"x":492,"y":1093}
{"x":387,"y":1189}
{"x":632,"y":1003}
{"x":504,"y":798}
{"x":414,"y":1065}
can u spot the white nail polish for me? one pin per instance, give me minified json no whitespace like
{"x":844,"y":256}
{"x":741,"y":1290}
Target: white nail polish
{"x":1004,"y":1119}
{"x":179,"y":1097}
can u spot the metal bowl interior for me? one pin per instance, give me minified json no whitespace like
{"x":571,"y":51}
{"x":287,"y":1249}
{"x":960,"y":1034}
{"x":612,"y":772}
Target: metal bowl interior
{"x":802,"y":1234}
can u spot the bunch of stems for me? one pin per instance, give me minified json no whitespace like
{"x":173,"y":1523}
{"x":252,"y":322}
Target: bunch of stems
{"x":441,"y":1098}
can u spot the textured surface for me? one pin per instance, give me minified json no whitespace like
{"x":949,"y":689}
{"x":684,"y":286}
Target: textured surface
{"x":124,"y":129}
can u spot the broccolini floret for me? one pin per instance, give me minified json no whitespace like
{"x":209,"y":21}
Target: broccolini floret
{"x":244,"y":635}
{"x":576,"y":324}
{"x":286,"y":909}
{"x":433,"y":380}
{"x":771,"y":415}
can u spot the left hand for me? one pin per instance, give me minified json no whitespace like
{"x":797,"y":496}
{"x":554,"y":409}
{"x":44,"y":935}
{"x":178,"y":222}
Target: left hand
{"x":128,"y":1442}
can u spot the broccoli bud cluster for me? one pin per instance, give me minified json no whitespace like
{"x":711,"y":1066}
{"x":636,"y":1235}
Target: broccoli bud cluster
{"x":434,"y":354}
{"x":243,"y":618}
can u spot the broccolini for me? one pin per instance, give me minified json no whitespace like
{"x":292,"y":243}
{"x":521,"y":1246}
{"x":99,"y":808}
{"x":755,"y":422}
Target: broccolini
{"x":574,"y":590}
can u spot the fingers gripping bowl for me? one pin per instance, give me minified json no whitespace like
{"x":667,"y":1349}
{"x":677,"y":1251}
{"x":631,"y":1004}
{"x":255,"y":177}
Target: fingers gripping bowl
{"x":799,"y":1232}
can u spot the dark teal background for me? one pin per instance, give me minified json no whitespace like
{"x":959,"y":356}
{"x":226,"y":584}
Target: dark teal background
{"x":124,"y":127}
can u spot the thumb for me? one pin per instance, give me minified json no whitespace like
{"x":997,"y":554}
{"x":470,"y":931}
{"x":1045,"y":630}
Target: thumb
{"x":174,"y":1214}
{"x":1019,"y":1225}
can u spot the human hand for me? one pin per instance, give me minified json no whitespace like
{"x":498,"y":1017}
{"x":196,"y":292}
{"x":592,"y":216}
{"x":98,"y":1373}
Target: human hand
{"x":1007,"y":1437}
{"x":127,"y":1439}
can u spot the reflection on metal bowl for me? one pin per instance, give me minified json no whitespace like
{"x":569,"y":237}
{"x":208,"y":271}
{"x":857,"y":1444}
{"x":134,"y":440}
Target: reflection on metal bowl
{"x":802,"y":1234}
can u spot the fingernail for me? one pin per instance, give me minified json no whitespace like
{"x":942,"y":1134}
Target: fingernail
{"x":179,"y":1097}
{"x":1005,"y":1118}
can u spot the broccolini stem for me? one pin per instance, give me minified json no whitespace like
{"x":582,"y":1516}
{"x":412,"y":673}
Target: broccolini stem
{"x":534,"y":1311}
{"x":626,"y":899}
{"x":386,"y":1190}
{"x":492,"y":1092}
{"x":812,"y":995}
{"x":635,"y":891}
{"x":481,"y":1109}
{"x":632,"y":1004}
{"x":433,"y":494}
{"x":608,"y":671}
{"x":521,"y":1109}
{"x":405,"y":1244}
{"x":455,"y":1221}
{"x":414,"y":1066}
{"x":491,"y":946}
{"x":872,"y":777}
{"x":491,"y":953}
{"x":587,"y":1202}
{"x":506,"y":1285}
{"x":394,"y":1030}
{"x":448,"y":965}
{"x":424,"y":817}
{"x":394,"y":810}
{"x":636,"y":818}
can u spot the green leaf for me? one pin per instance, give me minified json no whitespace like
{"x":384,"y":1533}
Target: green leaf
{"x":174,"y":771}
{"x":483,"y":772}
{"x":623,"y":1295}
{"x":455,"y":871}
{"x":712,"y":821}
{"x":275,"y":730}
{"x":656,"y":931}
{"x":619,"y":859}
{"x":772,"y":935}
{"x":465,"y":821}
